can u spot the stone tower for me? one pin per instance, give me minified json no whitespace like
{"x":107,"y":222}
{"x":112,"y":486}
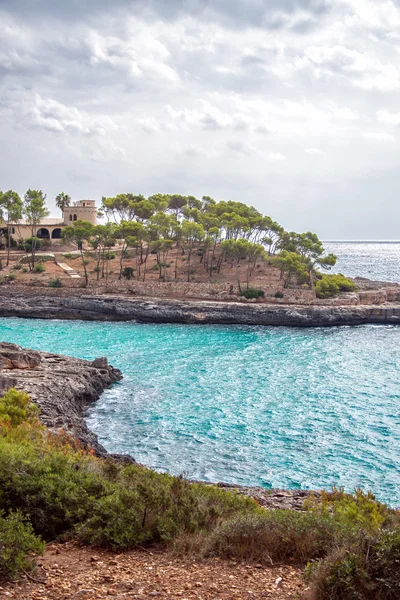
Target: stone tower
{"x":84,"y":210}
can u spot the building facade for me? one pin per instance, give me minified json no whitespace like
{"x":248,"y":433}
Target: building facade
{"x":51,"y":228}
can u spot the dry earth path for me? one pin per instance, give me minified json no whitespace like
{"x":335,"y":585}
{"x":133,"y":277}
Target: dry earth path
{"x":70,"y":572}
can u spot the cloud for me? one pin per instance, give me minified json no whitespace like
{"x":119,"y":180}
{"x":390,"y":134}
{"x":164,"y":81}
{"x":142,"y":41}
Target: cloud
{"x":54,"y":116}
{"x":313,"y":151}
{"x":380,"y":136}
{"x":186,"y":94}
{"x":388,"y":117}
{"x":276,"y":156}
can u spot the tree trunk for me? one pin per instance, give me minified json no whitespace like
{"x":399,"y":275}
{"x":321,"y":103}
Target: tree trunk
{"x":84,"y":268}
{"x":8,"y":244}
{"x":237,"y":277}
{"x":189,"y":259}
{"x":120,"y":261}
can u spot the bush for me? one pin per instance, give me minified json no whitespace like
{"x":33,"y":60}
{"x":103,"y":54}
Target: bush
{"x":63,"y":488}
{"x":55,"y":283}
{"x":29,"y":242}
{"x":109,"y":255}
{"x":16,"y":408}
{"x":331,"y":285}
{"x":128,"y":273}
{"x":70,"y":256}
{"x":279,"y":295}
{"x":17,"y":267}
{"x":40,"y":258}
{"x":11,"y":277}
{"x":252,"y":293}
{"x":368,"y":570}
{"x":366,"y":561}
{"x":275,"y":536}
{"x":18,"y":545}
{"x":39,"y":268}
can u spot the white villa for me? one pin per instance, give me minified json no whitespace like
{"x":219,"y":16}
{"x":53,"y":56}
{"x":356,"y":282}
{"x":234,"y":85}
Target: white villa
{"x":51,"y":228}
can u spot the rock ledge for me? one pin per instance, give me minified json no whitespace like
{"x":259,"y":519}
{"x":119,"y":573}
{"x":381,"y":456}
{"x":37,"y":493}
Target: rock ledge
{"x":62,"y":387}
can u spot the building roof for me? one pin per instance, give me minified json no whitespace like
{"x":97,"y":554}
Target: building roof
{"x":49,"y":221}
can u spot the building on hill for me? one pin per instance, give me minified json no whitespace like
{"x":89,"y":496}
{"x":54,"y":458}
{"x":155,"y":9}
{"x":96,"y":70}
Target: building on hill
{"x":51,"y":228}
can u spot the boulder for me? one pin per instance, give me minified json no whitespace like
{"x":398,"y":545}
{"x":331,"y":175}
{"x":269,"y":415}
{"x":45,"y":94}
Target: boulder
{"x":15,"y":357}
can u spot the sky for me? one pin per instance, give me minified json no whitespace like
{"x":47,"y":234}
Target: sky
{"x":292,"y":106}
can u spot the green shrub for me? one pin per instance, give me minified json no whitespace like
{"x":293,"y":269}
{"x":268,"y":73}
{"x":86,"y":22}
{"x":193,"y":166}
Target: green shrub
{"x":252,"y":293}
{"x":16,"y":408}
{"x":331,"y":285}
{"x":275,"y":536}
{"x":11,"y":277}
{"x":18,"y":545}
{"x":70,"y":256}
{"x":109,"y":255}
{"x":279,"y":295}
{"x":40,"y":258}
{"x":367,"y":570}
{"x":39,"y":268}
{"x":55,"y":283}
{"x":17,"y":267}
{"x":64,"y":489}
{"x":29,"y":242}
{"x":128,"y":273}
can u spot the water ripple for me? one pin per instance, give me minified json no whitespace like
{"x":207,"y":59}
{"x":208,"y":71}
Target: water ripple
{"x":249,"y":405}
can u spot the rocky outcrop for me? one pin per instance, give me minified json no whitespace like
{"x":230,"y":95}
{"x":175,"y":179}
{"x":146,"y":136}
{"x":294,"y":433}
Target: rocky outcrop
{"x":62,"y":387}
{"x":275,"y":498}
{"x":117,"y":308}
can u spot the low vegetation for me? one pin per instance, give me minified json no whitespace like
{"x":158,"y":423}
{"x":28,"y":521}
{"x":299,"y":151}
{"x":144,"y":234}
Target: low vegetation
{"x":329,"y":286}
{"x":51,"y":487}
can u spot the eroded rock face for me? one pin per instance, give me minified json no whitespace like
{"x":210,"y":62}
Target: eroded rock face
{"x":14,"y":357}
{"x":61,"y":386}
{"x":161,"y":310}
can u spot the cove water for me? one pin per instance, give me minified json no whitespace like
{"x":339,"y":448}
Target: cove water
{"x":274,"y":407}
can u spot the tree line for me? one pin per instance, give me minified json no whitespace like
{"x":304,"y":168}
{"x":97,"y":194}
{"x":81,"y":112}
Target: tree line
{"x":218,"y":231}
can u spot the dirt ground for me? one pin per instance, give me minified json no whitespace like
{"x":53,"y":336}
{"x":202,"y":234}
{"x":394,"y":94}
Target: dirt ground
{"x":263,"y":274}
{"x":71,"y":572}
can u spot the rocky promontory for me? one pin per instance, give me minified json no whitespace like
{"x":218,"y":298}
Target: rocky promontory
{"x":62,"y":387}
{"x":43,"y":305}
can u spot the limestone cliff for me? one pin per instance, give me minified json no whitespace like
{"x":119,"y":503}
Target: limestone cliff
{"x":118,"y":308}
{"x":61,"y":386}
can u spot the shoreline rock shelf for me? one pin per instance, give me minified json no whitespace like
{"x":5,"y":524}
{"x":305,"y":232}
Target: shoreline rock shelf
{"x":62,"y":387}
{"x":162,"y":310}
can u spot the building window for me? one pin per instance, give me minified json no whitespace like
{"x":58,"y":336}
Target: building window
{"x":70,"y":217}
{"x":84,"y":204}
{"x":75,"y":217}
{"x":13,"y":230}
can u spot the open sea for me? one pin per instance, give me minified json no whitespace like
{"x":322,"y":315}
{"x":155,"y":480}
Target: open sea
{"x":275,"y":407}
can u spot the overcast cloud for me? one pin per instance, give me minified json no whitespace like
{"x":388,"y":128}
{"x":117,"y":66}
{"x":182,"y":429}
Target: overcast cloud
{"x":290,"y":105}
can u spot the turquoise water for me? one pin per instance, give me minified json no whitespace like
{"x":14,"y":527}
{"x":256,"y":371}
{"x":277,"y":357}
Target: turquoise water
{"x":293,"y":408}
{"x":374,"y":260}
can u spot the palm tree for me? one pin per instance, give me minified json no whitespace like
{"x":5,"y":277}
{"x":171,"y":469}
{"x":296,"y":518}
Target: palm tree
{"x":63,"y":201}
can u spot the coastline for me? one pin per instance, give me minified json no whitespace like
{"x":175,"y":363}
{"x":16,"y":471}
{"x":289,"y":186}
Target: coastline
{"x":63,"y":387}
{"x":37,"y":304}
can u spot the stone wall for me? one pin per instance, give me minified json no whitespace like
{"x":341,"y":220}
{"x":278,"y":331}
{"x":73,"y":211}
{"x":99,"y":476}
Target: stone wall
{"x":208,"y":291}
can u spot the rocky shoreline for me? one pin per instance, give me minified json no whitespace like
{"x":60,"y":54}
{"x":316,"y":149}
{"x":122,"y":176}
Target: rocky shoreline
{"x":61,"y":386}
{"x":36,"y":304}
{"x":64,"y":387}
